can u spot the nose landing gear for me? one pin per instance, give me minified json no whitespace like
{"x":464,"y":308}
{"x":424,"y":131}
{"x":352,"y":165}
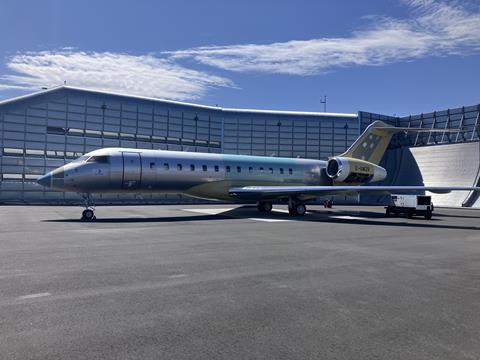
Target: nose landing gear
{"x":89,"y":213}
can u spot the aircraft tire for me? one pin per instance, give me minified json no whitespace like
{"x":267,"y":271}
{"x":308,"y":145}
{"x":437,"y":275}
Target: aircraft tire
{"x":300,"y":209}
{"x":88,"y":215}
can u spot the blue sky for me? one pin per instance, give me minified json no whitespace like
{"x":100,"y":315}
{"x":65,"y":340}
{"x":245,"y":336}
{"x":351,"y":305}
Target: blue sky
{"x":387,"y":56}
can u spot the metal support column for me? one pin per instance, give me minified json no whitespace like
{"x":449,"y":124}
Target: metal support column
{"x":475,"y":127}
{"x":460,"y":126}
{"x":418,"y":134}
{"x":447,"y":125}
{"x":434,"y":122}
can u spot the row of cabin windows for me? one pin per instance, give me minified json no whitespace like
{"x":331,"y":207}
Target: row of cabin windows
{"x":228,"y":168}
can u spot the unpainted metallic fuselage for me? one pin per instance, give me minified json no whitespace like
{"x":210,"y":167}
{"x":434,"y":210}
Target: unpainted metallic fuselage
{"x":201,"y":175}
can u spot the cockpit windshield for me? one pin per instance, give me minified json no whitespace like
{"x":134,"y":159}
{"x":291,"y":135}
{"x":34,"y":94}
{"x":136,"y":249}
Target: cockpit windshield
{"x":82,"y":158}
{"x":103,"y":159}
{"x":99,"y":159}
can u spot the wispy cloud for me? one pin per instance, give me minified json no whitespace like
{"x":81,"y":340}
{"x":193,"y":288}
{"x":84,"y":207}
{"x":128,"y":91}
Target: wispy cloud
{"x":145,"y":75}
{"x":433,"y":29}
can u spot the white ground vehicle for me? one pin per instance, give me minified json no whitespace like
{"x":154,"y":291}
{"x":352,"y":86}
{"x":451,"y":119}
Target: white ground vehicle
{"x":410,"y":205}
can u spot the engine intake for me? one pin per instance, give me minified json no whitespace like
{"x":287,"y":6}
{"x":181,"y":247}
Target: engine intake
{"x":354,"y":171}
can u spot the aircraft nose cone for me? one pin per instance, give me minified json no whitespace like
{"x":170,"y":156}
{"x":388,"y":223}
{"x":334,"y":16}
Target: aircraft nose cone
{"x":45,"y":180}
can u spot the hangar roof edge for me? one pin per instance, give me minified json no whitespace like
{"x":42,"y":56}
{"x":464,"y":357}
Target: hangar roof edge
{"x":257,"y":111}
{"x":31,"y":95}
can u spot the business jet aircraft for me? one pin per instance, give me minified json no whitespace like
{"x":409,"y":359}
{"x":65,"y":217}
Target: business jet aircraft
{"x":235,"y":177}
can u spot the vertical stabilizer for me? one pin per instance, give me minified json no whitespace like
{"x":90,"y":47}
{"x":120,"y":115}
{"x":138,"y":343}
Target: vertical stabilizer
{"x":372,"y":143}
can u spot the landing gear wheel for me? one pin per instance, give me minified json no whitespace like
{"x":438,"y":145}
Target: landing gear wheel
{"x":300,"y":209}
{"x":387,"y":212}
{"x":88,"y":215}
{"x":297,"y":209}
{"x":264,"y":206}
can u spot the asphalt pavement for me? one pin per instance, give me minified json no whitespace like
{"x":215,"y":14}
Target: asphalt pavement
{"x":226,"y":282}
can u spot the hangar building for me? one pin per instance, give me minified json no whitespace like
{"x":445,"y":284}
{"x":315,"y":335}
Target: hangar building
{"x":44,"y":130}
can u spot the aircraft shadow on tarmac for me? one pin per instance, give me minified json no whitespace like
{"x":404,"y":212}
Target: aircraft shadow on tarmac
{"x":163,"y":219}
{"x":322,"y":216}
{"x":457,"y":216}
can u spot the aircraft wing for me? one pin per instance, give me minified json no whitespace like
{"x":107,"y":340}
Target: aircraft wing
{"x":276,"y":192}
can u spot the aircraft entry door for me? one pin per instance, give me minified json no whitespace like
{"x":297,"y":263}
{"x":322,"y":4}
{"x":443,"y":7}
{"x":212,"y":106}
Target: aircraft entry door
{"x":132,"y":170}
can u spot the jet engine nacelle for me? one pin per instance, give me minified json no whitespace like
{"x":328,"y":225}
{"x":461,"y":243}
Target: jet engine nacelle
{"x":354,"y":171}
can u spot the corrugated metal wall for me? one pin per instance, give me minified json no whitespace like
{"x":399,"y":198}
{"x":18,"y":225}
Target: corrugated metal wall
{"x":446,"y":165}
{"x":43,"y":131}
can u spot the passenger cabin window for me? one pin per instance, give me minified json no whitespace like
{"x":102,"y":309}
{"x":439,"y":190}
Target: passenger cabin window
{"x":152,"y":165}
{"x":227,"y":168}
{"x":250,"y":169}
{"x":281,"y":170}
{"x":271,"y":170}
{"x":192,"y":167}
{"x":290,"y":171}
{"x":239,"y":169}
{"x":99,"y":159}
{"x":261,"y":169}
{"x":204,"y":167}
{"x":166,"y":166}
{"x":179,"y":167}
{"x":216,"y":168}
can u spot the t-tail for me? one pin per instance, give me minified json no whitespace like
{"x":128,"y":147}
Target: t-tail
{"x":359,"y":164}
{"x":372,"y":143}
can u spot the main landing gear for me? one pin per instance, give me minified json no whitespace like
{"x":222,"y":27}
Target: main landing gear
{"x":296,"y":209}
{"x":89,"y":213}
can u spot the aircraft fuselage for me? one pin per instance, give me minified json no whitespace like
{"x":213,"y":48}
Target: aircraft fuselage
{"x":202,"y":175}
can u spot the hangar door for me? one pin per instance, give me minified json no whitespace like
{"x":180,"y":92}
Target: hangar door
{"x":132,"y":170}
